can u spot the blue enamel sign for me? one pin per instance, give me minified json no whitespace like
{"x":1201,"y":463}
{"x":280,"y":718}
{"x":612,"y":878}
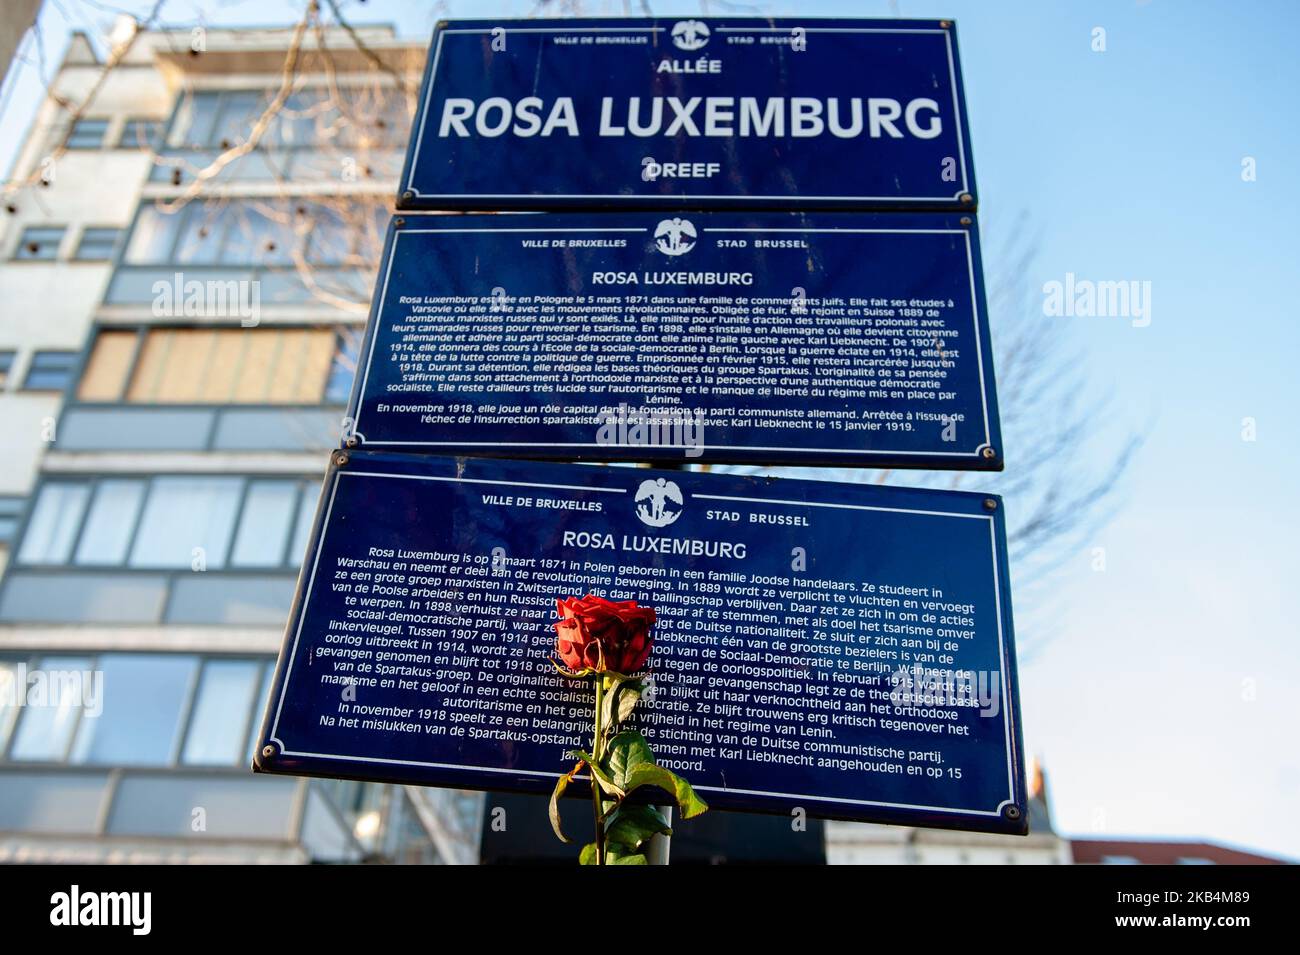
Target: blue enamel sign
{"x":841,"y":648}
{"x":710,"y":112}
{"x":767,"y":338}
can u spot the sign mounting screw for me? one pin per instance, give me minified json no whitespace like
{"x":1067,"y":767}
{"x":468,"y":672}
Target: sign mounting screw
{"x":945,"y":23}
{"x":268,"y":751}
{"x":990,"y":504}
{"x":340,"y":458}
{"x":965,"y":220}
{"x":1011,"y":812}
{"x":966,"y":198}
{"x":989,"y":453}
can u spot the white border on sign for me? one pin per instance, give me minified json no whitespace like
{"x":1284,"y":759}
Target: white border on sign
{"x":975,"y":316}
{"x":997,"y":600}
{"x":433,"y":77}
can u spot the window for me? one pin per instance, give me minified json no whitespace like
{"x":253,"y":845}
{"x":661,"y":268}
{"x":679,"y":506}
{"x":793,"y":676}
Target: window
{"x":264,"y":525}
{"x":39,"y":243}
{"x":264,"y":232}
{"x":139,"y":134}
{"x":187,"y":522}
{"x":6,"y":365}
{"x":55,"y":520}
{"x":112,"y":517}
{"x":134,"y":709}
{"x":217,"y":366}
{"x":144,"y":695}
{"x":97,"y":245}
{"x":44,"y":732}
{"x":360,"y":117}
{"x":87,"y":134}
{"x":50,"y":371}
{"x":11,"y":508}
{"x":157,"y":523}
{"x":223,"y":708}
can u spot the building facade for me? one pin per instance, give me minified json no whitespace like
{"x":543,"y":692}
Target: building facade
{"x":189,"y":246}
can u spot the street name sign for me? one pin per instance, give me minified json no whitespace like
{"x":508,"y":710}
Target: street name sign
{"x":707,"y":112}
{"x":843,"y":649}
{"x":765,"y":338}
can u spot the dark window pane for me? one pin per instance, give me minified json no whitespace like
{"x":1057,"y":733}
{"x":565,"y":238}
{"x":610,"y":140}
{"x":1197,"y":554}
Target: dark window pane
{"x":344,"y":368}
{"x":269,"y":510}
{"x":221,"y":712}
{"x":54,"y":522}
{"x":185,"y":519}
{"x":87,"y":134}
{"x":39,"y":243}
{"x":301,"y":533}
{"x":143,"y":698}
{"x":139,"y":134}
{"x":107,"y":533}
{"x":50,"y":371}
{"x":195,"y":119}
{"x":44,"y":731}
{"x":97,"y":244}
{"x":153,"y":235}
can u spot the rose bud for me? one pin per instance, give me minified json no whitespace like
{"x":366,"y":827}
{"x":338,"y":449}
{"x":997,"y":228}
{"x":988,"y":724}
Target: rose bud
{"x":603,"y":634}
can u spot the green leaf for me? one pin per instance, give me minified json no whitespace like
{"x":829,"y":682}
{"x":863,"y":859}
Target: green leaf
{"x":561,"y":785}
{"x":588,"y":854}
{"x":617,"y":854}
{"x":602,"y":777}
{"x":620,"y":700}
{"x":634,"y":825}
{"x":652,"y":774}
{"x":625,"y":753}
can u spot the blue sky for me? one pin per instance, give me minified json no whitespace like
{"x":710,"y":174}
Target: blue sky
{"x":1165,"y":701}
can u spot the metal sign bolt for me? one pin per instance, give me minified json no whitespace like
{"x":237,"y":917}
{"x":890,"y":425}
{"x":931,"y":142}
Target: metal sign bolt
{"x":353,"y":441}
{"x":967,"y":198}
{"x":989,"y":454}
{"x":399,"y":222}
{"x":990,"y":504}
{"x":965,"y":220}
{"x":268,"y":752}
{"x":1012,"y":812}
{"x":340,"y":458}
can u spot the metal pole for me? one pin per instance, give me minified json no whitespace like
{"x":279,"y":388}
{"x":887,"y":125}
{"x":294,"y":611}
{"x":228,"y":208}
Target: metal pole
{"x":656,"y":853}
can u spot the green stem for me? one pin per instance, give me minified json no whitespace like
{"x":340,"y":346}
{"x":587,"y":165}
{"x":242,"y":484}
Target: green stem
{"x":596,"y":747}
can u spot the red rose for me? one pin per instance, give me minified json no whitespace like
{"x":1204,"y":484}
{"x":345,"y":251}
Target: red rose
{"x":603,"y":634}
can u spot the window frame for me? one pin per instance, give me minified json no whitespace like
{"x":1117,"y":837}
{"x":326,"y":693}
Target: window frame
{"x":308,"y":490}
{"x":72,"y":369}
{"x":126,"y":141}
{"x":342,"y":334}
{"x":264,"y":677}
{"x":23,"y":242}
{"x":69,"y":140}
{"x":114,"y":246}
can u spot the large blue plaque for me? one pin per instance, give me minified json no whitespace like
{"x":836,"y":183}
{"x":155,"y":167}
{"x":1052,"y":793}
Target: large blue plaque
{"x":707,"y":112}
{"x":765,"y":338}
{"x":845,"y":649}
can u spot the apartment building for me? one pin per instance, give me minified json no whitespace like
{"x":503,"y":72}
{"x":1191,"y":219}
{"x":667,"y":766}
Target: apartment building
{"x":184,"y":273}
